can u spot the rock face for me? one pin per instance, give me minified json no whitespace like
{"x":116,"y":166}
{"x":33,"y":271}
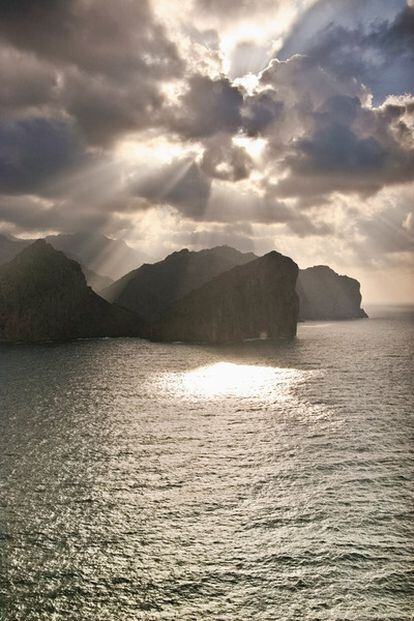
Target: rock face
{"x":325,"y":295}
{"x":11,"y":246}
{"x":254,"y":300}
{"x":44,"y":296}
{"x":152,"y":289}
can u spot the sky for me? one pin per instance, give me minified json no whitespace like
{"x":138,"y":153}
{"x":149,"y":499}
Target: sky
{"x":262,"y":124}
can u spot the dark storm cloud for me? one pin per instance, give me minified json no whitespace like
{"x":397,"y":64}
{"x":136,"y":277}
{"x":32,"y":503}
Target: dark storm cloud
{"x":324,"y":14}
{"x":22,"y":214}
{"x":353,"y":43}
{"x":226,"y":161}
{"x":328,"y":137}
{"x":110,"y":59}
{"x":98,"y":36}
{"x":105,"y":110}
{"x":335,"y":158}
{"x":260,"y":111}
{"x":26,"y":83}
{"x":335,"y":149}
{"x":35,"y":150}
{"x":208,"y":107}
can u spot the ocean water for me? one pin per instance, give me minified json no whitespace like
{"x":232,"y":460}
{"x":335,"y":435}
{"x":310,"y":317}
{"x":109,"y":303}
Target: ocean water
{"x":147,"y":481}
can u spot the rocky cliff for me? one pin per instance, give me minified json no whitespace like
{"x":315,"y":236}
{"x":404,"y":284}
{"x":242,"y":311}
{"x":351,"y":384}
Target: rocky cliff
{"x":11,"y":246}
{"x":151,"y":289}
{"x":44,"y":296}
{"x":254,"y":300}
{"x":325,"y":295}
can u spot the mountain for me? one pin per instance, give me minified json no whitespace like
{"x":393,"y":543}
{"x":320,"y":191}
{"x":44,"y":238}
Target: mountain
{"x":325,"y":295}
{"x":254,"y":300}
{"x":44,"y":296}
{"x":11,"y":246}
{"x":151,"y":289}
{"x":108,"y":257}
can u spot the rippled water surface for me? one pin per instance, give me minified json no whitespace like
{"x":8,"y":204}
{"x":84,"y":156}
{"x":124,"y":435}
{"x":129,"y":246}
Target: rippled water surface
{"x":142,"y":481}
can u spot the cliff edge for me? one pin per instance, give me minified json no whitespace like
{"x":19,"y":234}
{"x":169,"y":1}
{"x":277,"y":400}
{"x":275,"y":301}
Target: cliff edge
{"x":44,"y":296}
{"x":250,"y":301}
{"x":325,"y":295}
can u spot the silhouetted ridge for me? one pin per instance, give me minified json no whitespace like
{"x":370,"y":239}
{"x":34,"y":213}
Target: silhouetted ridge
{"x":11,"y":246}
{"x":151,"y":289}
{"x":44,"y":296}
{"x":254,"y":300}
{"x":325,"y":295}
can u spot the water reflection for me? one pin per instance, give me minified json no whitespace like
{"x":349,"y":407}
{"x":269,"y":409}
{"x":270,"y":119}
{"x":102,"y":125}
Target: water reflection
{"x":233,"y":379}
{"x":154,"y":481}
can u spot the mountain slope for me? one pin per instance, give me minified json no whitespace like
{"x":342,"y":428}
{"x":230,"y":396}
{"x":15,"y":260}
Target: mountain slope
{"x":153,"y":288}
{"x":325,"y":295}
{"x":254,"y":300}
{"x":44,"y":296}
{"x":11,"y":246}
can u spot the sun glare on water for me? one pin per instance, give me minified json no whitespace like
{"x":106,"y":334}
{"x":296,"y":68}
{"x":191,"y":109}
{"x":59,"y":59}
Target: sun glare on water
{"x":231,"y":379}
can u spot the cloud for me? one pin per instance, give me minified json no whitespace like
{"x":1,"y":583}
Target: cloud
{"x":104,"y":63}
{"x":97,"y":36}
{"x":226,"y":161}
{"x":105,"y":110}
{"x":363,"y":156}
{"x":324,"y":135}
{"x":350,"y":41}
{"x":29,"y":88}
{"x":25,"y":213}
{"x":260,"y":111}
{"x":232,"y":8}
{"x":35,"y":150}
{"x":126,"y":116}
{"x":208,"y":106}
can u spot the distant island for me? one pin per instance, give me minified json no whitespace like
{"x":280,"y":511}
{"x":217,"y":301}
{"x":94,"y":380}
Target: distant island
{"x":151,"y":290}
{"x":325,"y":295}
{"x":218,"y":295}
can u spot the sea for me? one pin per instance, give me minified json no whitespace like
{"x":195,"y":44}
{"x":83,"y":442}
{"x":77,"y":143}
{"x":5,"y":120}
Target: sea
{"x":269,"y":482}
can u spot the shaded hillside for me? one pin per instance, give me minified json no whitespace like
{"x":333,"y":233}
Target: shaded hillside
{"x":325,"y":295}
{"x":44,"y":296}
{"x":254,"y":300}
{"x":11,"y":246}
{"x":151,"y":289}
